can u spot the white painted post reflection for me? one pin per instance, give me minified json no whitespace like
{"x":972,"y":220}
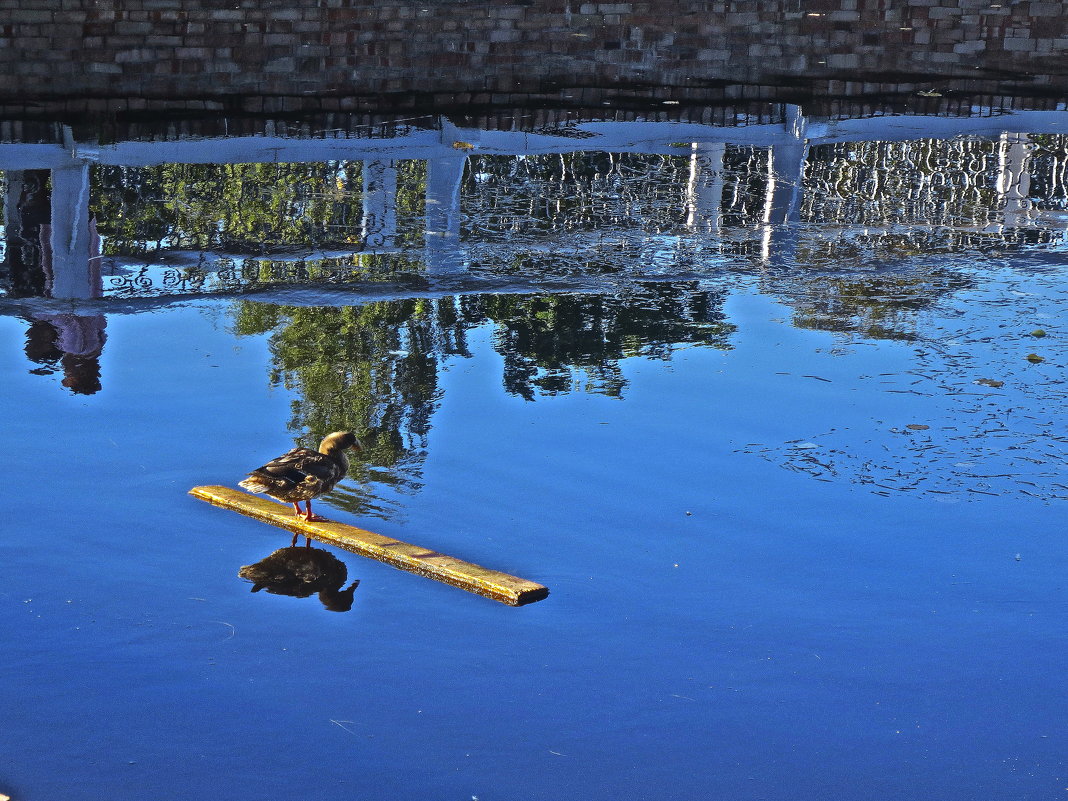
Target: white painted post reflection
{"x":75,"y":264}
{"x":443,"y":179}
{"x":704,"y":191}
{"x":1014,"y":179}
{"x":782,"y":206}
{"x":379,"y":204}
{"x":12,"y":218}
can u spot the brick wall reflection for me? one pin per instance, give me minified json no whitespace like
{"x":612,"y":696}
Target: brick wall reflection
{"x":489,"y":53}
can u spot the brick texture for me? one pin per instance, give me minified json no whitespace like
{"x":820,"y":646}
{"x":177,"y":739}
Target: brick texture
{"x":332,"y":50}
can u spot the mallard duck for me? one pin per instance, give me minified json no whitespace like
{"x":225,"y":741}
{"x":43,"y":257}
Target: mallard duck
{"x":303,"y":474}
{"x":301,"y":571}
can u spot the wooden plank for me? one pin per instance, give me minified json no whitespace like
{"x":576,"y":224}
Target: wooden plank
{"x":493,"y":584}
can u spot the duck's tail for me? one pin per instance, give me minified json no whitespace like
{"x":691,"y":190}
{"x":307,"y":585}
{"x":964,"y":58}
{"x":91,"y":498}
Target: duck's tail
{"x":256,"y":483}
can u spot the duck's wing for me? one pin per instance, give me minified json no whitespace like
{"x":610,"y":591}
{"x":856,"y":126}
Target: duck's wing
{"x":300,"y":466}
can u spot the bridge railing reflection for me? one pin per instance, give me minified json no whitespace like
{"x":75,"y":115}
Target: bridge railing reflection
{"x":64,"y":261}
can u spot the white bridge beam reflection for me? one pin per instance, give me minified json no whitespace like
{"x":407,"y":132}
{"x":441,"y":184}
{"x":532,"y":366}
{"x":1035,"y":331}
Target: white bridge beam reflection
{"x":72,"y":247}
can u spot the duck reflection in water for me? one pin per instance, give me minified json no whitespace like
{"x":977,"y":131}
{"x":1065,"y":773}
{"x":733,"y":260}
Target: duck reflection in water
{"x":301,"y":571}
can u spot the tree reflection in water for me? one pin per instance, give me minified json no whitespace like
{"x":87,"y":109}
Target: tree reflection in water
{"x":369,"y":369}
{"x":878,"y":239}
{"x":546,"y":340}
{"x":882,"y":305}
{"x":373,"y":369}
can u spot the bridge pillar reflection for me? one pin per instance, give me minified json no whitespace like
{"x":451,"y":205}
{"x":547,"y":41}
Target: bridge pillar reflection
{"x":704,"y":191}
{"x":1014,"y":179}
{"x":782,"y":207}
{"x":75,"y":263}
{"x":52,"y":251}
{"x":444,"y":176}
{"x":51,"y":245}
{"x":379,"y":204}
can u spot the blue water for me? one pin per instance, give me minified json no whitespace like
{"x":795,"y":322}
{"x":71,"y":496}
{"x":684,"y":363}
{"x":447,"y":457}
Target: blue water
{"x":726,"y":620}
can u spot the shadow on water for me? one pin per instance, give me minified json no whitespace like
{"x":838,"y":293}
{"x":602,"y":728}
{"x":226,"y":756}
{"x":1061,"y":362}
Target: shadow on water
{"x":301,"y":571}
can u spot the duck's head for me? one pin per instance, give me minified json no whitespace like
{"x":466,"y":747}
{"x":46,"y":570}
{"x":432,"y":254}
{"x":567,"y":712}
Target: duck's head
{"x":338,"y":600}
{"x":339,"y":441}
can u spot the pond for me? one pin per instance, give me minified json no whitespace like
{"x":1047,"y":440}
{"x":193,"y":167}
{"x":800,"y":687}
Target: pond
{"x":776,"y":412}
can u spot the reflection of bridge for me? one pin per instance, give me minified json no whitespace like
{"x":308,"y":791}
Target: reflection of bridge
{"x":446,"y":152}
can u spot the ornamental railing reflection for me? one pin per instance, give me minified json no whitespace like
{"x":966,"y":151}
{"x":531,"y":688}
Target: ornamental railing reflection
{"x":638,"y":198}
{"x":634,"y":200}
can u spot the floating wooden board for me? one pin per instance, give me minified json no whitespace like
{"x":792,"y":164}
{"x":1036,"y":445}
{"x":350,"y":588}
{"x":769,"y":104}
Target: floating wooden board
{"x":438,"y":566}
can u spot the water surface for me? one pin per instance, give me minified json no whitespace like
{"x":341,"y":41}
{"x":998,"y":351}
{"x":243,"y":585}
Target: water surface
{"x":780,"y":456}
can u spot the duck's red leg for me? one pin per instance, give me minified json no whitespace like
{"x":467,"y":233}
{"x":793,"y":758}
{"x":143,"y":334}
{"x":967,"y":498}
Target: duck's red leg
{"x":299,"y":512}
{"x":294,"y":543}
{"x":310,"y":516}
{"x":306,"y":515}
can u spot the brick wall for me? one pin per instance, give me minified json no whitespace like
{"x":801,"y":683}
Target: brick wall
{"x":340,"y":52}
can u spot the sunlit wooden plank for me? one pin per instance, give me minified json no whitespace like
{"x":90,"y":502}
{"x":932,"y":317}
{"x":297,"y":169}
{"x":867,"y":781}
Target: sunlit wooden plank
{"x":493,"y":584}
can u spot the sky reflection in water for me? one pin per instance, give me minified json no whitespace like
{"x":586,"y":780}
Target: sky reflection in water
{"x":800,"y":518}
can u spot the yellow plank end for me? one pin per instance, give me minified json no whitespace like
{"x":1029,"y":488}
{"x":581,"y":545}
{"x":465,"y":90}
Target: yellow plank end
{"x":474,"y":578}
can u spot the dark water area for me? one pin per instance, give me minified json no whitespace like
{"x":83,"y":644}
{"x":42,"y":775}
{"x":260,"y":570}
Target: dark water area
{"x":767,"y":387}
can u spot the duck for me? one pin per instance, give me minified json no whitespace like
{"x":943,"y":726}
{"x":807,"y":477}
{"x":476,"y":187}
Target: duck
{"x":302,"y":474}
{"x":299,"y":572}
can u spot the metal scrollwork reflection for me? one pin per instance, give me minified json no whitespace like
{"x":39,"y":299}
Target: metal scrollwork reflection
{"x":139,"y":282}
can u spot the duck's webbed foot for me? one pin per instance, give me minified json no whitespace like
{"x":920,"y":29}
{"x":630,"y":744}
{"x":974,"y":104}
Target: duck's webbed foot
{"x":310,"y":516}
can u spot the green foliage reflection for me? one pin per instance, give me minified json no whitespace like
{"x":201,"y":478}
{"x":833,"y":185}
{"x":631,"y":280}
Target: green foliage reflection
{"x":373,"y":369}
{"x":244,"y":208}
{"x":883,"y":306}
{"x":546,"y":340}
{"x":370,"y":369}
